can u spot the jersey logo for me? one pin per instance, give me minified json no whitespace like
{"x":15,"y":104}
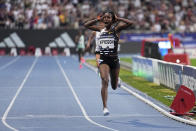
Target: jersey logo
{"x":107,"y":43}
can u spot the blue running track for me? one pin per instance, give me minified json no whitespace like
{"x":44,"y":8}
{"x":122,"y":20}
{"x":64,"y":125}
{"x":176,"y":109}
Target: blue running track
{"x":53,"y":94}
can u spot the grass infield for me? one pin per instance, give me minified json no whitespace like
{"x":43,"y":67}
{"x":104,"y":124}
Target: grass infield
{"x":159,"y":92}
{"x":193,"y":62}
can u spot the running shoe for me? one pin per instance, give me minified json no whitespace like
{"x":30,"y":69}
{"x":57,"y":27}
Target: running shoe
{"x":80,"y":66}
{"x":106,"y":112}
{"x":82,"y":60}
{"x":119,"y":82}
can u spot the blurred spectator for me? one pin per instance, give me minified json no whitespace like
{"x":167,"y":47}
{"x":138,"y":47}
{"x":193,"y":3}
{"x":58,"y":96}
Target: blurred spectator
{"x":156,"y":27}
{"x":148,"y":15}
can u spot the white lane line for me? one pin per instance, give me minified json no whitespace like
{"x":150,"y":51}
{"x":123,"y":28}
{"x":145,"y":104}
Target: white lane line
{"x":78,"y":101}
{"x":158,"y":108}
{"x":16,"y":95}
{"x":9,"y":63}
{"x":54,"y":116}
{"x":161,"y":110}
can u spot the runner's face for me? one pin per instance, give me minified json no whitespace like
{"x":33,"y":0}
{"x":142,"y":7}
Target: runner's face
{"x":107,"y":18}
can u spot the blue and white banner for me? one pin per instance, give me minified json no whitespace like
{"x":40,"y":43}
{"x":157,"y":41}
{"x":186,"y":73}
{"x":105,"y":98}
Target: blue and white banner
{"x":148,"y":70}
{"x":189,"y":77}
{"x":166,"y":74}
{"x":142,"y":67}
{"x":131,"y":37}
{"x":185,"y":38}
{"x":155,"y":71}
{"x":177,"y":74}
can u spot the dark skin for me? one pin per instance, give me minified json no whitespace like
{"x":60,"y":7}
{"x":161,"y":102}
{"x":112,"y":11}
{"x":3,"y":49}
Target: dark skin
{"x":97,"y":56}
{"x":107,"y":20}
{"x":105,"y":70}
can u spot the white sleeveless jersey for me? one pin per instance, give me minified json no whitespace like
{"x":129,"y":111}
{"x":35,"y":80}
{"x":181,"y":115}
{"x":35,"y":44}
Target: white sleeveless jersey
{"x":97,"y":49}
{"x":81,"y":42}
{"x":108,"y":42}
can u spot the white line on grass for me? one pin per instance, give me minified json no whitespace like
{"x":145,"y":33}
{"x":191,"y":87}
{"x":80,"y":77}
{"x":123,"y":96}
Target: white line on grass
{"x":78,"y":101}
{"x":14,"y":98}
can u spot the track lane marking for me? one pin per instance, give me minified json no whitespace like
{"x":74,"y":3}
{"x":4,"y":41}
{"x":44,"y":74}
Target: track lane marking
{"x":54,"y":116}
{"x":78,"y":101}
{"x":9,"y":63}
{"x":16,"y":95}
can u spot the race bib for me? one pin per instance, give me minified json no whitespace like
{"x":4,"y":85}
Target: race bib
{"x":106,"y":43}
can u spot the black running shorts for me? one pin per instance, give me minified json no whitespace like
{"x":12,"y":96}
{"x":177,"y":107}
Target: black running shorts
{"x":112,"y":61}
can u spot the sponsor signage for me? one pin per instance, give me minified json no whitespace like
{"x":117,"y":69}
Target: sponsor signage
{"x":185,"y":38}
{"x":166,"y":73}
{"x":59,"y":39}
{"x":189,"y":77}
{"x":143,"y":67}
